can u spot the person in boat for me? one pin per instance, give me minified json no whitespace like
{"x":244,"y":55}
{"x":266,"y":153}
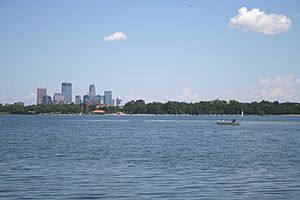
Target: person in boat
{"x":233,"y":121}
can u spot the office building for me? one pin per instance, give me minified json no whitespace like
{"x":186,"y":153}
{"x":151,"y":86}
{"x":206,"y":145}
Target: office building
{"x":101,"y":100}
{"x":118,"y":101}
{"x":112,"y":103}
{"x":97,"y":99}
{"x":92,"y":93}
{"x":92,"y":90}
{"x":66,"y":90}
{"x":77,"y":99}
{"x":58,"y":98}
{"x":47,"y":100}
{"x":86,"y":98}
{"x":41,"y":92}
{"x":107,"y":98}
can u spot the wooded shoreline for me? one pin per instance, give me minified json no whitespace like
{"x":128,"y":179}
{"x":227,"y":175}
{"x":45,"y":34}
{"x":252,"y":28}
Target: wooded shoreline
{"x":216,"y":107}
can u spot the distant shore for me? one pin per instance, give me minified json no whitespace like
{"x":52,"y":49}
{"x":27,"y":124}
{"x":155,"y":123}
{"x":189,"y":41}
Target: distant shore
{"x":288,"y":115}
{"x":215,"y":107}
{"x":116,"y":114}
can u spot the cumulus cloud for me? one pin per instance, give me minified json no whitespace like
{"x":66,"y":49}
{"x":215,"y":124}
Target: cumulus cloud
{"x":258,"y":21}
{"x":281,"y":88}
{"x":188,"y":96}
{"x":117,"y":36}
{"x":29,"y":99}
{"x":230,"y":94}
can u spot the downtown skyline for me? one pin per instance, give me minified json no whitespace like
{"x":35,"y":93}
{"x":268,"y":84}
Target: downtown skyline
{"x":66,"y":97}
{"x":152,"y":50}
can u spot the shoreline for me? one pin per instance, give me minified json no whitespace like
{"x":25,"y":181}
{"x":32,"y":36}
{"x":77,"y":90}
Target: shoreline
{"x":114,"y":114}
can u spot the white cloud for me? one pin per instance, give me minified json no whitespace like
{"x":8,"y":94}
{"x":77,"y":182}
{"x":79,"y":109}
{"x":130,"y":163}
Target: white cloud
{"x":188,"y":96}
{"x":117,"y":36}
{"x":279,"y":88}
{"x":258,"y":21}
{"x":29,"y":99}
{"x":230,"y":94}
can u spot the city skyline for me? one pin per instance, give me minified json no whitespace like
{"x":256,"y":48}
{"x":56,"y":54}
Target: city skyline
{"x":152,"y":50}
{"x":66,"y":97}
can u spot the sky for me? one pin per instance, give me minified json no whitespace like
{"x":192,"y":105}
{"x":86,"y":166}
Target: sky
{"x":170,"y":50}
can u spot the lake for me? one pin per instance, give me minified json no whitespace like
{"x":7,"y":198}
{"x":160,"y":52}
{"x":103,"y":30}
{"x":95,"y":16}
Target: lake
{"x":149,"y":157}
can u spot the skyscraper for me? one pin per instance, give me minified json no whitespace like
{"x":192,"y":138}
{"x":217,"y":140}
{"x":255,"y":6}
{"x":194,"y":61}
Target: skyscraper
{"x":92,"y":89}
{"x":47,"y":100}
{"x":58,"y":98}
{"x":77,"y":99}
{"x":41,"y":92}
{"x":92,"y":93}
{"x":107,"y":97}
{"x":66,"y":90}
{"x":86,"y":99}
{"x":118,"y":101}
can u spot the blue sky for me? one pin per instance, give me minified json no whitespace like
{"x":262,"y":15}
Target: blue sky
{"x":184,"y":50}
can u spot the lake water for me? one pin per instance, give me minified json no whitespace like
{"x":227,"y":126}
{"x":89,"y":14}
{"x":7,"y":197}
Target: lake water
{"x":149,"y":157}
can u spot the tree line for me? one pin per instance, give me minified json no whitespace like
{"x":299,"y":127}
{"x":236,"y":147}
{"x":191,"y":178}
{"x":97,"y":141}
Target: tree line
{"x":219,"y":107}
{"x":41,"y":108}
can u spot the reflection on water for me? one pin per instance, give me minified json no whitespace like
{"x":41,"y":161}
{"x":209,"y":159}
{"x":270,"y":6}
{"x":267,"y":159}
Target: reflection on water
{"x":149,"y":157}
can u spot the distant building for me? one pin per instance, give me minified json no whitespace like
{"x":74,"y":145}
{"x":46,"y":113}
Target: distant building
{"x":113,"y":102}
{"x":47,"y":100}
{"x":92,"y":93}
{"x":58,"y":98}
{"x":41,"y":92}
{"x":66,"y":90}
{"x":101,"y":100}
{"x":107,"y":97}
{"x":98,"y":112}
{"x":86,"y":98}
{"x":118,"y":101}
{"x":97,"y":99}
{"x":92,"y":89}
{"x":77,"y":99}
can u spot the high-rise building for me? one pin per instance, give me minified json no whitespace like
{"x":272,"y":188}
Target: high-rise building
{"x":107,"y":97}
{"x":92,"y":89}
{"x":118,"y":101}
{"x":112,"y":103}
{"x":66,"y":90}
{"x":101,"y":100}
{"x":92,"y":93}
{"x":97,"y":99}
{"x":47,"y":100}
{"x":77,"y":99}
{"x":58,"y":98}
{"x":41,"y":92}
{"x":86,"y":98}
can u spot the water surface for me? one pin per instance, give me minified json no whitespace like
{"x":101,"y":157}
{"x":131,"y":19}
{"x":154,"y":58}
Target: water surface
{"x":149,"y":157}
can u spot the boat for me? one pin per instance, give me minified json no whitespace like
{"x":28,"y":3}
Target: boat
{"x":232,"y":123}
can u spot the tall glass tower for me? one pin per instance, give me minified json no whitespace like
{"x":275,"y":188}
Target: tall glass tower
{"x":92,"y":93}
{"x":107,"y":97}
{"x":66,"y":90}
{"x":92,"y":89}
